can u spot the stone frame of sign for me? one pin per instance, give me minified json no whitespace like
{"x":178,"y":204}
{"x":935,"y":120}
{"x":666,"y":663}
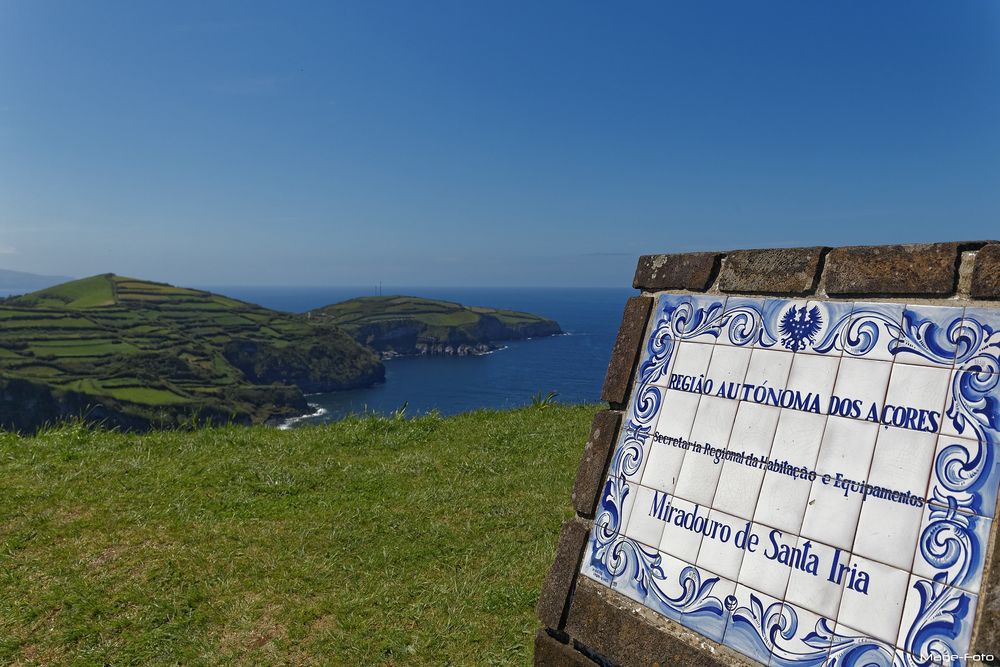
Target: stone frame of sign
{"x":797,"y":465}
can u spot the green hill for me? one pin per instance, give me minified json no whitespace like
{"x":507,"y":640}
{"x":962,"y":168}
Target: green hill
{"x":141,"y":354}
{"x":403,"y":325}
{"x":366,"y":542}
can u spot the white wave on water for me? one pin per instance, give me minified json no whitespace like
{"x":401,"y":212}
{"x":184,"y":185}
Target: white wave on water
{"x":483,"y":354}
{"x":318,"y":411}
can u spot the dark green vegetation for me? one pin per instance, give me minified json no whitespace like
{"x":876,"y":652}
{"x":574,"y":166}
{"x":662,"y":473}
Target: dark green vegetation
{"x":372,"y":541}
{"x":138,"y":354}
{"x":395,"y":325}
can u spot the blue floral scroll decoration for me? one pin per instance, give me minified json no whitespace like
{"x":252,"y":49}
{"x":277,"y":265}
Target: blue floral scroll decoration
{"x":964,"y":481}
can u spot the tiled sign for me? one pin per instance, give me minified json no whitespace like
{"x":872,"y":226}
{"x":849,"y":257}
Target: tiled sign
{"x":808,"y":482}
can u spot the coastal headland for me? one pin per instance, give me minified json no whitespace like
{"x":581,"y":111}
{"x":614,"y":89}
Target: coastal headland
{"x":409,"y":325}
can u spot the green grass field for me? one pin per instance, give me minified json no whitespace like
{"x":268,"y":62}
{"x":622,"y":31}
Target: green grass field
{"x":372,"y":541}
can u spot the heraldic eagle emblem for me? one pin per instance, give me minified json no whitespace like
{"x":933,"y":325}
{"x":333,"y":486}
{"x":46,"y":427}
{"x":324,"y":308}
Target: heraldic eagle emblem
{"x":799,"y":328}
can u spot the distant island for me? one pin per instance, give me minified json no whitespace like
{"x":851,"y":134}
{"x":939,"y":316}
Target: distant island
{"x":20,"y":281}
{"x":138,"y":354}
{"x":409,"y":325}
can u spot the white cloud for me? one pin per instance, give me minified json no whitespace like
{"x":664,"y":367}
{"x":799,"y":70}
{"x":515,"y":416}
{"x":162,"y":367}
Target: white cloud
{"x":7,"y":249}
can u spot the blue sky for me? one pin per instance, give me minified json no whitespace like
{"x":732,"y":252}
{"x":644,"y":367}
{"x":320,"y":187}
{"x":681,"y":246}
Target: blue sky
{"x":485,"y":143}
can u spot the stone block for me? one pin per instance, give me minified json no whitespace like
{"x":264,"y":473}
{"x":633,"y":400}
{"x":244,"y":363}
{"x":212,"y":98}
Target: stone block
{"x":986,"y":273}
{"x":550,"y":652}
{"x":771,"y":271}
{"x":593,"y":463}
{"x":928,"y":269}
{"x":627,"y":638}
{"x":553,"y":600}
{"x":686,"y":270}
{"x":626,"y":349}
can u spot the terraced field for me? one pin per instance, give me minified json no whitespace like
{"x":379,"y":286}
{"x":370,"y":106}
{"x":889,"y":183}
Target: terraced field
{"x":139,"y":353}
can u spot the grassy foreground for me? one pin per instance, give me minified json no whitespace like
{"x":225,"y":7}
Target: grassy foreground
{"x":369,"y":541}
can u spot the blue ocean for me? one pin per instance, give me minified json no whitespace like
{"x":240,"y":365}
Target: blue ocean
{"x":572,"y":365}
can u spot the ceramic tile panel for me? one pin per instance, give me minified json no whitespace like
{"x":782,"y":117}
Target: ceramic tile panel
{"x":752,"y":435}
{"x":628,"y":504}
{"x":629,"y":586}
{"x":751,"y":612}
{"x":874,"y":331}
{"x":769,"y":368}
{"x":681,"y":538}
{"x":945,"y":537}
{"x":711,"y":620}
{"x":790,"y":535}
{"x":723,"y":529}
{"x":812,"y":378}
{"x":832,"y":514}
{"x":930,"y":335}
{"x":591,"y":565}
{"x":677,"y":412}
{"x":967,"y":475}
{"x":728,"y":364}
{"x":680,"y":572}
{"x":814,"y":585}
{"x":891,"y":511}
{"x":665,"y":447}
{"x":690,"y":361}
{"x":833,"y":318}
{"x":742,"y":324}
{"x":860,"y":383}
{"x":980,"y":327}
{"x":784,"y":491}
{"x":766,"y":567}
{"x":629,"y":582}
{"x":812,"y":626}
{"x":642,"y":525}
{"x":701,"y":468}
{"x":845,"y":455}
{"x":693,"y":318}
{"x":810,"y":327}
{"x":973,"y":397}
{"x":959,"y":603}
{"x":683,"y":313}
{"x":869,"y":653}
{"x":873,"y":598}
{"x":677,"y":572}
{"x":847,"y":448}
{"x":916,"y":397}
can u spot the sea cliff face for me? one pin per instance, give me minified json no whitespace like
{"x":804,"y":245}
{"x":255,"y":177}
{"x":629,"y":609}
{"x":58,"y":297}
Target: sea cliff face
{"x":406,"y":326}
{"x":309,"y":366}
